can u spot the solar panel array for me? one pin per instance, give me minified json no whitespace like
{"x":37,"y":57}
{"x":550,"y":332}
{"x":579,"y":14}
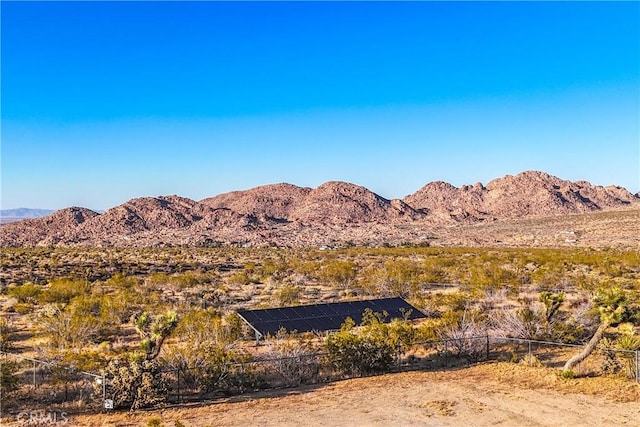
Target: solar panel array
{"x":324,"y":317}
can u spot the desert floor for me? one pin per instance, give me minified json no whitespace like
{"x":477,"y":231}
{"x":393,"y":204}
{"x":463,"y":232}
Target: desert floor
{"x":491,"y":394}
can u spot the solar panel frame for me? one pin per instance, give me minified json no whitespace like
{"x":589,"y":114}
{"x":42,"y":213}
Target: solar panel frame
{"x":325,"y":316}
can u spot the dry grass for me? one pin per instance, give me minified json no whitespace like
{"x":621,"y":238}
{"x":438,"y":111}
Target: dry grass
{"x":488,"y":394}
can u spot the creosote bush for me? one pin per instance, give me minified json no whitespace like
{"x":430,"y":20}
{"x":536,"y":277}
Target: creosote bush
{"x":27,"y":293}
{"x":62,"y":291}
{"x":370,"y":347}
{"x":202,"y":349}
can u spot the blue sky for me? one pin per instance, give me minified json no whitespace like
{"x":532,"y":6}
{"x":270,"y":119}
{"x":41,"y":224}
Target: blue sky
{"x":106,"y":101}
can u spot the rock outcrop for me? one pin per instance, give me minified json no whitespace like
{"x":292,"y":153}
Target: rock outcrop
{"x":527,"y":194}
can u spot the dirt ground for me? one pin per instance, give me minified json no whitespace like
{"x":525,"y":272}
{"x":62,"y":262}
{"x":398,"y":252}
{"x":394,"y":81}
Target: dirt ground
{"x":499,"y":394}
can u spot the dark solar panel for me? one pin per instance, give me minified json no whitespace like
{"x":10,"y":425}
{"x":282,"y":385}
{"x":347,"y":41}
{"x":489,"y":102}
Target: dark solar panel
{"x":324,"y":317}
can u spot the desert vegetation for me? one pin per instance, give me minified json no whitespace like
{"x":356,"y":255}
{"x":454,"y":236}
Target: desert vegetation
{"x":139,"y":317}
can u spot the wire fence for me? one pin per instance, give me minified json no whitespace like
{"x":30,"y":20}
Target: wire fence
{"x":551,"y":354}
{"x":64,"y":390}
{"x":41,"y":391}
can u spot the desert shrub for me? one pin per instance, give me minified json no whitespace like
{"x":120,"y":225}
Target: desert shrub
{"x":524,"y":322}
{"x":203,"y":348}
{"x":619,"y":353}
{"x":566,"y":331}
{"x":240,"y":278}
{"x":276,"y":268}
{"x":63,"y":290}
{"x":357,"y":354}
{"x":437,"y":302}
{"x":538,"y":320}
{"x":489,"y":276}
{"x":78,"y":360}
{"x":208,"y":366}
{"x":531,"y":360}
{"x":87,"y":319}
{"x":464,"y":333}
{"x":293,"y":359}
{"x":189,"y":279}
{"x":338,"y":273}
{"x":67,"y":328}
{"x":116,"y":309}
{"x":65,"y":365}
{"x":428,"y":330}
{"x":433,"y":271}
{"x":370,"y":347}
{"x":286,"y":295}
{"x":128,"y":296}
{"x":400,"y":278}
{"x":158,"y":281}
{"x":200,"y":325}
{"x":7,"y":334}
{"x":121,"y":281}
{"x":154,"y":422}
{"x":27,"y":293}
{"x":9,"y":381}
{"x":567,"y":374}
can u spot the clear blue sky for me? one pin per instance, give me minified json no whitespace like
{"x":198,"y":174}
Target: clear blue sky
{"x":106,"y":101}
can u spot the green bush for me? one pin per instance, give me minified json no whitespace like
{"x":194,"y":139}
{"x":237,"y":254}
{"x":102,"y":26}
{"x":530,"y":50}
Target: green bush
{"x":62,"y":291}
{"x":287,"y":295}
{"x":355,"y":354}
{"x":202,"y":349}
{"x":154,"y":422}
{"x":567,"y":374}
{"x":27,"y":293}
{"x":338,"y":273}
{"x":369,"y":348}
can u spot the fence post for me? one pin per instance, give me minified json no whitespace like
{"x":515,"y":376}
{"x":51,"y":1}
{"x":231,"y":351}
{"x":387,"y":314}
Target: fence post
{"x":487,"y":346}
{"x":445,"y":354}
{"x":637,"y":368}
{"x":179,"y":396}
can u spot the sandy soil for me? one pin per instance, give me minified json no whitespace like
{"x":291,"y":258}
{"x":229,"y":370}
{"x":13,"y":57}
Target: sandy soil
{"x":496,"y":394}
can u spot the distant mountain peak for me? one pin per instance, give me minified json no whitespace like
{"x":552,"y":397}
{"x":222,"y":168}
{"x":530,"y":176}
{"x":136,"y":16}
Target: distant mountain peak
{"x":25,"y":212}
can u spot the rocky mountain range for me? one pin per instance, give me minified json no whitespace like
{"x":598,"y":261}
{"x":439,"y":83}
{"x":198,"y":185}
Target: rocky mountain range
{"x":335,"y":213}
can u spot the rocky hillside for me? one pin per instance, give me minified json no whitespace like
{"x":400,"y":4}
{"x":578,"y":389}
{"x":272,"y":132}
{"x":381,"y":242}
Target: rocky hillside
{"x":334,"y":213}
{"x":276,"y":201}
{"x":527,"y":194}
